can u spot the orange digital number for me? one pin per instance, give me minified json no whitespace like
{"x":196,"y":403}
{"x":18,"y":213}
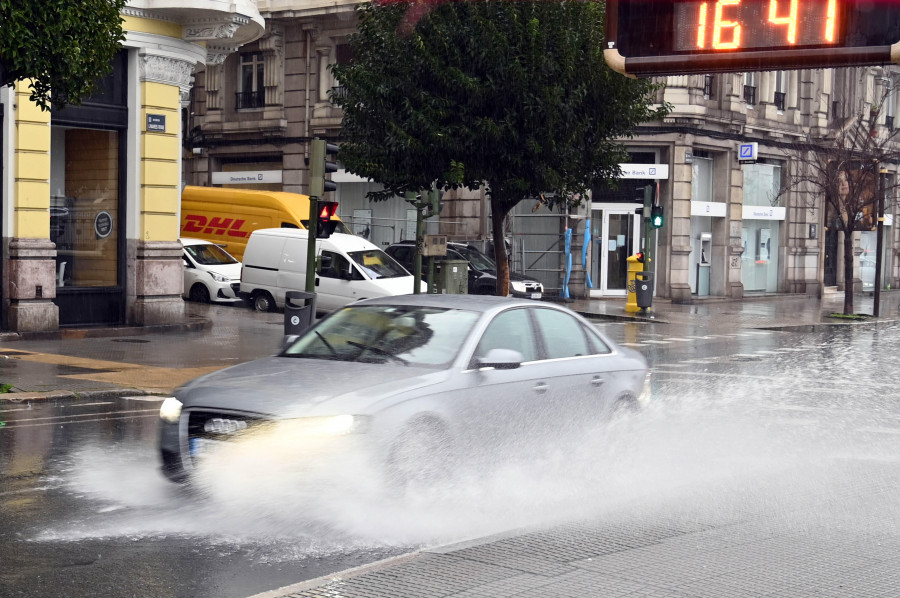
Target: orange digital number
{"x":831,"y":21}
{"x":719,"y":25}
{"x":790,"y":20}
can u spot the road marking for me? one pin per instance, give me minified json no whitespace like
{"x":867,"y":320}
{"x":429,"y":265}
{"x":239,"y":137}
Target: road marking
{"x":74,"y":405}
{"x":658,"y":342}
{"x":81,"y":421}
{"x":675,"y":338}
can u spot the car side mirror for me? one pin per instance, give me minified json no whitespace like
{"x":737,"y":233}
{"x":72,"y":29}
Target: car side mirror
{"x":347,"y":275}
{"x":501,"y":359}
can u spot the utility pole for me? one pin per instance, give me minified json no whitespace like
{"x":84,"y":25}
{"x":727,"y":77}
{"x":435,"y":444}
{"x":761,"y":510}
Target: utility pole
{"x":879,"y":242}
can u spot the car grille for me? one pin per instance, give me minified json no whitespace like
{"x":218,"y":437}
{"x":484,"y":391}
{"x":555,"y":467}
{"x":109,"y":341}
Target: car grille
{"x":532,"y":287}
{"x":235,"y":286}
{"x":216,"y":426}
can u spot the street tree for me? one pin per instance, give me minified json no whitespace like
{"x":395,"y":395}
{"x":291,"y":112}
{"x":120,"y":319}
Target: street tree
{"x":61,"y":47}
{"x":844,"y":172}
{"x":513,"y":96}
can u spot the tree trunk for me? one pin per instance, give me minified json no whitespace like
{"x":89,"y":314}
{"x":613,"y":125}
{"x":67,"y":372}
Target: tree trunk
{"x":848,"y":273}
{"x":498,"y":217}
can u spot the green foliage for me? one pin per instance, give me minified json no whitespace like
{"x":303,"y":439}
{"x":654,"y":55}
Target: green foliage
{"x":515,"y":95}
{"x":62,"y":46}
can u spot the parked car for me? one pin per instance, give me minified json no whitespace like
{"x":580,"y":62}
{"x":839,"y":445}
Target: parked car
{"x":482,"y":270}
{"x":348,"y":268}
{"x":210,"y":272}
{"x":418,"y":381}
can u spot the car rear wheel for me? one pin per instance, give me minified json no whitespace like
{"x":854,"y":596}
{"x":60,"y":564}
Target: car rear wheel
{"x":263,"y":301}
{"x":199,"y":293}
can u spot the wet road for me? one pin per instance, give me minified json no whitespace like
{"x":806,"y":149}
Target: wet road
{"x":85,"y":512}
{"x":784,"y":417}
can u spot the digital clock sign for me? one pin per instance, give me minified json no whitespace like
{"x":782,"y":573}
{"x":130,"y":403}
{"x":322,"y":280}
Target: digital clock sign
{"x":659,"y":37}
{"x":743,"y":25}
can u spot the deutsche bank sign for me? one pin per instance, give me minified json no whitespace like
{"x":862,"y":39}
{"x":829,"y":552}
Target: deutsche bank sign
{"x":644,"y":171}
{"x":747,"y":152}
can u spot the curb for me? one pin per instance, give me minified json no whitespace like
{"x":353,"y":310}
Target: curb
{"x":70,"y":395}
{"x":114,"y":331}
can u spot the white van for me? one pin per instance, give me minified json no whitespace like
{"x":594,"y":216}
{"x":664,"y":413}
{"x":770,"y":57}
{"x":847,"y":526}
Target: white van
{"x":348,"y":268}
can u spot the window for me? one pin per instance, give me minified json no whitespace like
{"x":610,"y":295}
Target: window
{"x":708,"y":87}
{"x":334,"y":265}
{"x":252,"y":91}
{"x":750,"y":88}
{"x":889,"y":109}
{"x":509,"y":330}
{"x":563,"y":335}
{"x":780,"y":90}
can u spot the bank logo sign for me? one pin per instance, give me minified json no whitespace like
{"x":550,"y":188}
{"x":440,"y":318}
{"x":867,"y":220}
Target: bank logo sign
{"x":644,"y":171}
{"x":747,"y":152}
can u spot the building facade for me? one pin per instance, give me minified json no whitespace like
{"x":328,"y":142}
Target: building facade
{"x":729,"y":231}
{"x":91,"y":193}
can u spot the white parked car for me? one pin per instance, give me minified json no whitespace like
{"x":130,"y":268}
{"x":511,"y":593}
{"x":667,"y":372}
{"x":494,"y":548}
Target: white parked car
{"x":210,"y":273}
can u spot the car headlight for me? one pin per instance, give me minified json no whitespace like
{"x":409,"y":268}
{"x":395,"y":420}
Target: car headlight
{"x":218,"y":277}
{"x":170,"y":410}
{"x":333,"y":425}
{"x":644,"y":398}
{"x":518,"y":286}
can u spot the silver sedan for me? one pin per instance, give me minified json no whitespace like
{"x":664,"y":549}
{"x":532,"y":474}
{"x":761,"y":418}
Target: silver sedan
{"x":422,"y":381}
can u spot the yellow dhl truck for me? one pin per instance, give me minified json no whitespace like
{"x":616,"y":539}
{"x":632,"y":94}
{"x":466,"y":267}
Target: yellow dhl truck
{"x":226,"y":216}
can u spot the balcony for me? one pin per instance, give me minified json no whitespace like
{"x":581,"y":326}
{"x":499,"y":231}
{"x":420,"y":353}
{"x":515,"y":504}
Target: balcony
{"x":249,"y":99}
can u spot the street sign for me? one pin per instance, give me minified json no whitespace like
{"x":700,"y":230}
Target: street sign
{"x":644,"y":171}
{"x":747,"y":153}
{"x":650,"y":37}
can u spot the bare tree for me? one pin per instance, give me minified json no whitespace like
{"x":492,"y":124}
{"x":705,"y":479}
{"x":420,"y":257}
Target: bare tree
{"x":844,"y":172}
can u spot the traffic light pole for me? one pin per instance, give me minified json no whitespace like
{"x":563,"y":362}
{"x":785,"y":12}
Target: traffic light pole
{"x":311,"y":244}
{"x":648,"y":206}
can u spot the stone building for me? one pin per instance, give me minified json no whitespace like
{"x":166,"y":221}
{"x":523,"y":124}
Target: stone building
{"x":91,"y":193}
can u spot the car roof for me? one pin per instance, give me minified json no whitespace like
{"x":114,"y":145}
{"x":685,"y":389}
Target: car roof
{"x":186,"y":241}
{"x":481,"y":303}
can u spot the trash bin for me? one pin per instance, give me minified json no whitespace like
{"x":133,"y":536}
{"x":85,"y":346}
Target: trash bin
{"x":299,"y":312}
{"x":643,"y":288}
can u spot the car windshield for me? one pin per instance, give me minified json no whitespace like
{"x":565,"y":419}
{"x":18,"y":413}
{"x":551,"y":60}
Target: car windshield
{"x":377,"y":264}
{"x":478,"y":260}
{"x":209,"y":255}
{"x":407,"y":335}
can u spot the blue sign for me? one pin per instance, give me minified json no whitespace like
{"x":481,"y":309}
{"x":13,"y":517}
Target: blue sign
{"x":156,"y":122}
{"x":747,"y":152}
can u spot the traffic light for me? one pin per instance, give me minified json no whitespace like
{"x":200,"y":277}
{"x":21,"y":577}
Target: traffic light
{"x":319,"y":166}
{"x":639,"y":256}
{"x":325,"y":225}
{"x":656,"y":216}
{"x":434,"y":202}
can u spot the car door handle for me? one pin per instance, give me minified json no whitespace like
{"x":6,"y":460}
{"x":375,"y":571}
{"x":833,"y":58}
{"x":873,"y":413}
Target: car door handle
{"x":597,"y":381}
{"x":541,"y":387}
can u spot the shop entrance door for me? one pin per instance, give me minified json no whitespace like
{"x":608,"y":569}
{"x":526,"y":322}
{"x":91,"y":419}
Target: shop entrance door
{"x":615,"y":233}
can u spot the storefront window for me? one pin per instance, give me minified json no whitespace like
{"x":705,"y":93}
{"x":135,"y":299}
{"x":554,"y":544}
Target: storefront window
{"x":84,"y":206}
{"x":762,"y":217}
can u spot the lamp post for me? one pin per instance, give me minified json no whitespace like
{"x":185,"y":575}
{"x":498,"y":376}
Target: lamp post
{"x":879,"y":241}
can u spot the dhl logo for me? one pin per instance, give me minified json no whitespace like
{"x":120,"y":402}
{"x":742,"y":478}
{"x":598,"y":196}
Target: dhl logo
{"x":195,"y":223}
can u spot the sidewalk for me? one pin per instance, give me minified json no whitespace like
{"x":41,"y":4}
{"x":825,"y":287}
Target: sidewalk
{"x":135,"y":361}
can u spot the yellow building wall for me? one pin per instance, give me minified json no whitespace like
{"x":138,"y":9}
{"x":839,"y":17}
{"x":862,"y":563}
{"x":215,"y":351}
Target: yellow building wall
{"x":31,"y":168}
{"x":160,"y":163}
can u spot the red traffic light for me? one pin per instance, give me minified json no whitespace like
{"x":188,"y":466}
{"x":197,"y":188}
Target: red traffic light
{"x":327,"y":209}
{"x":639,"y":256}
{"x":325,"y":225}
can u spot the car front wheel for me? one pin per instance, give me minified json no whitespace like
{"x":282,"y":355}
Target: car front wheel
{"x":420,"y":458}
{"x":263,"y":301}
{"x":199,"y":293}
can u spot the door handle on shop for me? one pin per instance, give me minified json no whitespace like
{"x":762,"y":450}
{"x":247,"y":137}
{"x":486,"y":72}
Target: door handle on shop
{"x":541,"y":387}
{"x":597,"y":381}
